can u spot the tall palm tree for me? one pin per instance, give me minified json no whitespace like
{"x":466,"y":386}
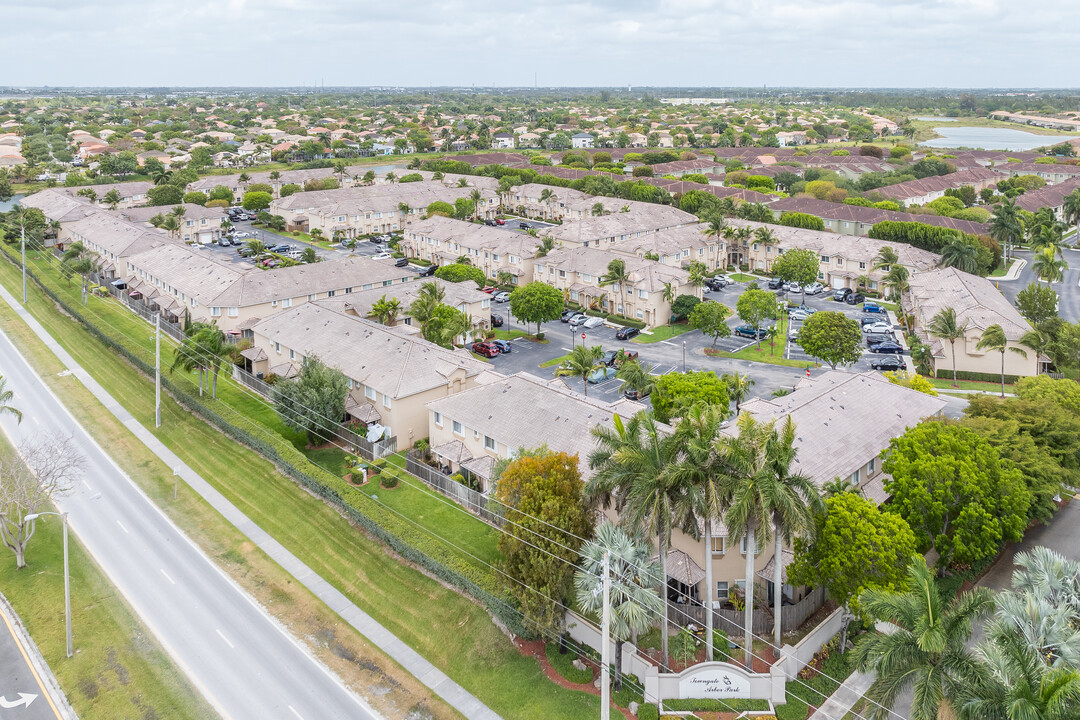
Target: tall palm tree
{"x":1006,"y":226}
{"x":697,"y":433}
{"x":616,"y":276}
{"x":793,"y":503}
{"x":715,"y":227}
{"x":1071,"y":208}
{"x":171,"y":224}
{"x":1047,"y":266}
{"x":738,"y":387}
{"x":896,"y":280}
{"x":79,"y":259}
{"x":581,"y":361}
{"x":632,"y":466}
{"x":885,"y":258}
{"x":5,"y":398}
{"x":961,"y":255}
{"x":427,"y":301}
{"x":635,"y":576}
{"x":212,"y":347}
{"x":385,"y":311}
{"x":765,"y":236}
{"x":946,"y":326}
{"x":1038,"y":341}
{"x":993,"y":338}
{"x":927,"y":652}
{"x":637,"y":377}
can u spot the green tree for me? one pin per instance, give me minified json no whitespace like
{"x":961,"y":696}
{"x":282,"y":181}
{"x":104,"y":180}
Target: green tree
{"x":1047,"y":266}
{"x":635,"y":574}
{"x":546,"y":517}
{"x":633,"y":467}
{"x":459,"y":272}
{"x":684,"y":306}
{"x":581,"y":361}
{"x":928,"y":652}
{"x":439,"y":207}
{"x":80,"y":260}
{"x":638,"y":377}
{"x":162,"y":195}
{"x":536,"y":302}
{"x":445,"y":325}
{"x":954,"y":490}
{"x":711,"y":319}
{"x":738,"y":387}
{"x":832,"y":337}
{"x":314,"y":402}
{"x":755,"y":306}
{"x":1071,"y":208}
{"x":308,"y":254}
{"x":945,"y":326}
{"x":195,"y":198}
{"x":1064,"y":393}
{"x":256,"y":200}
{"x":993,"y":338}
{"x":1006,"y":226}
{"x":464,"y":208}
{"x":616,"y":277}
{"x":675,"y":393}
{"x":1037,"y":303}
{"x":798,"y":266}
{"x":962,"y":255}
{"x":385,"y":311}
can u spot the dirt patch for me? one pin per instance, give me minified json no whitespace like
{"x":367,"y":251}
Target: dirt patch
{"x":88,"y":688}
{"x":122,"y":674}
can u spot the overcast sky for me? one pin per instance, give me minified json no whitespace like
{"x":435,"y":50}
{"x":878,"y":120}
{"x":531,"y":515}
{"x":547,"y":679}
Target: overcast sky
{"x":833,"y":43}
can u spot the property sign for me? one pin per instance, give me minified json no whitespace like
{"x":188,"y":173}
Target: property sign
{"x":714,"y":680}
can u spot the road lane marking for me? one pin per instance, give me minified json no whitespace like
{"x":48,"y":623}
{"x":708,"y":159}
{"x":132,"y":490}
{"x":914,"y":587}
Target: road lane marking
{"x":296,"y":713}
{"x":33,"y":670}
{"x":167,"y":576}
{"x":222,"y":636}
{"x":87,"y":485}
{"x":122,"y":526}
{"x":666,"y":342}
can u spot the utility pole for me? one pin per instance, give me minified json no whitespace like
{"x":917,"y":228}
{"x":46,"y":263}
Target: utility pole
{"x":22,"y":234}
{"x":605,"y":652}
{"x":157,"y":371}
{"x":67,"y":589}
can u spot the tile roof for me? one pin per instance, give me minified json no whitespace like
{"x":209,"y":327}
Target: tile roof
{"x":975,"y":300}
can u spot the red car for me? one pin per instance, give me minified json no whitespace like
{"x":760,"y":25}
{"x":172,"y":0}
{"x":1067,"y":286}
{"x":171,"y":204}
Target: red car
{"x":500,"y":221}
{"x":486,"y":349}
{"x":489,"y":289}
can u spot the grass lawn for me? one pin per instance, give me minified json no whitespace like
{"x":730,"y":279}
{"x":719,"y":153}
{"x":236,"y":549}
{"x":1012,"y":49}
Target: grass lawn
{"x":510,"y":335}
{"x":452,"y":632}
{"x":743,"y":277}
{"x":554,"y":362}
{"x":947,"y":384}
{"x":753,"y":354}
{"x":662,"y":332}
{"x":1003,"y":269}
{"x":118,"y":668}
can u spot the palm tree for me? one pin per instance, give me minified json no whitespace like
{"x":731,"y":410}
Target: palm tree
{"x":581,"y":361}
{"x":896,"y":280}
{"x":961,"y":255}
{"x":5,"y":398}
{"x":637,"y":377}
{"x":738,"y":387}
{"x":112,"y":198}
{"x":1046,"y":236}
{"x":1038,"y":341}
{"x":427,"y":301}
{"x":212,"y":347}
{"x":256,"y":247}
{"x":161,"y":176}
{"x":476,"y":198}
{"x":669,"y":292}
{"x":616,"y":276}
{"x":765,"y":236}
{"x":885,"y":258}
{"x":340,"y":169}
{"x":715,"y":227}
{"x":78,"y":258}
{"x":1048,"y":267}
{"x":838,"y":486}
{"x":1071,"y":208}
{"x":309,"y":255}
{"x":793,"y":503}
{"x":993,"y":338}
{"x":391,"y":177}
{"x":1006,"y":226}
{"x":928,"y":650}
{"x":385,"y":311}
{"x":945,"y":326}
{"x":635,"y":575}
{"x":1043,"y":605}
{"x":597,"y":209}
{"x":546,"y":245}
{"x":171,"y":224}
{"x":632,"y":466}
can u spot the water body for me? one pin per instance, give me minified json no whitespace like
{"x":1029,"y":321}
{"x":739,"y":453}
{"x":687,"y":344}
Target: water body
{"x":980,"y":138}
{"x":7,"y":205}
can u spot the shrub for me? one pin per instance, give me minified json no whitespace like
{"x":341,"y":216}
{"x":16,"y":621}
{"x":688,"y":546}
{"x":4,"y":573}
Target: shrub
{"x":648,"y":712}
{"x":388,"y":481}
{"x":802,"y":220}
{"x":946,"y":373}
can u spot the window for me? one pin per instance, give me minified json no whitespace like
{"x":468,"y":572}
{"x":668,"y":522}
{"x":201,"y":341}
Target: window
{"x":277,"y":348}
{"x":331,"y":293}
{"x":839,"y":262}
{"x":640,"y":315}
{"x":369,"y":393}
{"x":870,"y":465}
{"x":719,"y":545}
{"x":438,"y":418}
{"x":215,"y":311}
{"x":721,"y":588}
{"x":292,"y":354}
{"x":348,"y":290}
{"x":386,"y":283}
{"x":287,"y":302}
{"x":586,"y":278}
{"x":644,"y":294}
{"x":855,"y":477}
{"x":562,"y":273}
{"x":825,"y":258}
{"x":385,"y":400}
{"x":485,"y":304}
{"x":457,"y":428}
{"x":234,"y":312}
{"x":489,"y":443}
{"x":862,"y":266}
{"x":311,"y":297}
{"x":686,"y":252}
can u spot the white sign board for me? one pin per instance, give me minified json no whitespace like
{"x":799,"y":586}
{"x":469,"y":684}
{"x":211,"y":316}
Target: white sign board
{"x":716,"y":680}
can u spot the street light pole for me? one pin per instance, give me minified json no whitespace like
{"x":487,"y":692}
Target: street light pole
{"x":22,"y":234}
{"x":67,"y":576}
{"x":605,"y":651}
{"x":684,"y":356}
{"x":157,"y":370}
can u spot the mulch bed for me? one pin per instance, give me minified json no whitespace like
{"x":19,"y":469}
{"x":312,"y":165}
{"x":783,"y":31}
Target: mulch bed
{"x":535,"y":648}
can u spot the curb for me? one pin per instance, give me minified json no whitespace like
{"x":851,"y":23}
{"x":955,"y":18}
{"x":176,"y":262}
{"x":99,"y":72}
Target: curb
{"x":37,"y":661}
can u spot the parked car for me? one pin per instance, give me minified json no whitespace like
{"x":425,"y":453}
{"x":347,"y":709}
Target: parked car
{"x":889,"y":347}
{"x":869,"y":307}
{"x":889,"y":362}
{"x":567,"y":314}
{"x":870,"y":320}
{"x":496,"y":321}
{"x":487,"y":349}
{"x":502,"y":297}
{"x":490,"y":223}
{"x":854,"y":298}
{"x":500,"y":221}
{"x":715,"y":283}
{"x":402,"y":262}
{"x":523,"y":225}
{"x":748,"y":331}
{"x":625,"y":333}
{"x":841,"y":294}
{"x":593,"y":322}
{"x":578,"y":320}
{"x":224,"y":242}
{"x":488,"y":289}
{"x":775,"y":283}
{"x":615,"y":358}
{"x":634,"y":395}
{"x":428,"y":271}
{"x":503,"y":345}
{"x":602,"y":374}
{"x":792,"y":287}
{"x":799,"y":314}
{"x":878,"y":327}
{"x":381,"y":256}
{"x":814,"y":288}
{"x":878,"y":338}
{"x":244,"y":252}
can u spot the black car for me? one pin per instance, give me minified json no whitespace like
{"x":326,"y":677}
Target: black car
{"x":490,"y":223}
{"x":567,"y":314}
{"x":890,"y":348}
{"x":401,"y":262}
{"x":634,"y":395}
{"x":889,"y":362}
{"x":626,"y":333}
{"x":869,"y":319}
{"x":841,"y":294}
{"x":775,"y":283}
{"x":496,"y":321}
{"x":428,"y":271}
{"x":854,"y":298}
{"x":878,"y":338}
{"x":523,"y":225}
{"x":715,"y":283}
{"x":609,"y":357}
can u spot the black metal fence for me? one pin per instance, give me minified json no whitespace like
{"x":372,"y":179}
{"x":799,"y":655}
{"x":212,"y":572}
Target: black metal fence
{"x":468,"y":498}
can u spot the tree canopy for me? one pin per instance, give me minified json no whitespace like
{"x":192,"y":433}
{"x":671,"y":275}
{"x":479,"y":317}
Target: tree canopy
{"x":313,"y":402}
{"x":711,"y":319}
{"x":536,"y":302}
{"x":459,"y":272}
{"x":675,"y":393}
{"x":832,"y":337}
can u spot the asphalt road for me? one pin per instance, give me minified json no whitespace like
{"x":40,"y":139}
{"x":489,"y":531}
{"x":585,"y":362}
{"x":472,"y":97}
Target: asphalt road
{"x":1068,"y":289}
{"x":23,"y":695}
{"x":243,"y":662}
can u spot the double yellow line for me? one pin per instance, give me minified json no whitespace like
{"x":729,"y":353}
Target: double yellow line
{"x":22,"y":650}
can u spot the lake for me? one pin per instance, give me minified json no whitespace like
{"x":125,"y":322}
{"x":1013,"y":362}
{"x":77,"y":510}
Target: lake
{"x":980,"y":138}
{"x":7,"y":205}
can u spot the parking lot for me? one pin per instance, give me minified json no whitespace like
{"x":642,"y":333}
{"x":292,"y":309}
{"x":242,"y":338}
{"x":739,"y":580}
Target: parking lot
{"x":824,"y":302}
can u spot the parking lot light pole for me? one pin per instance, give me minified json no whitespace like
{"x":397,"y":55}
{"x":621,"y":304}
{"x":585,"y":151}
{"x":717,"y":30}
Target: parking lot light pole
{"x":67,"y":575}
{"x":684,"y":356}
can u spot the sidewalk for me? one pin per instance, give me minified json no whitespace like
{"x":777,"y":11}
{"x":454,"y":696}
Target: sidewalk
{"x":1014,"y":271}
{"x":26,"y":654}
{"x":840,"y":702}
{"x":455,"y":695}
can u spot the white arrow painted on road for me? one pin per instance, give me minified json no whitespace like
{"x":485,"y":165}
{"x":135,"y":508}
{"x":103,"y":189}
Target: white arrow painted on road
{"x":24,"y":699}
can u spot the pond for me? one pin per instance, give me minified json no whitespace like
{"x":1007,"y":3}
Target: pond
{"x":7,"y":205}
{"x":979,"y":138}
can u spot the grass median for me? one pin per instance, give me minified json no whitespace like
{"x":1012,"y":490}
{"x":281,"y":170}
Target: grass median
{"x":449,"y":630}
{"x":661,"y":333}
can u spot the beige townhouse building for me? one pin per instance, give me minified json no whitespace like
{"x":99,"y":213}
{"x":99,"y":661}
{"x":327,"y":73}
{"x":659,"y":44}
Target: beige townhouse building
{"x":464,"y":296}
{"x":197,"y":225}
{"x":633,"y":212}
{"x":60,"y":207}
{"x":677,"y":247}
{"x":978,"y":305}
{"x":469,"y":432}
{"x":844,"y":259}
{"x":645,"y":296}
{"x":131,"y":193}
{"x":179,"y":280}
{"x":393,"y":373}
{"x":494,"y":250}
{"x":283,"y":177}
{"x":541,"y":202}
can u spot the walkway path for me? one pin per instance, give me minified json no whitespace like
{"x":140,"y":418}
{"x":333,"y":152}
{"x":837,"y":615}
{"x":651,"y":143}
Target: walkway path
{"x":463,"y":701}
{"x":840,"y":702}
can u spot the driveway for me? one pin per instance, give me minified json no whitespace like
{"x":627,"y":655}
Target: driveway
{"x":1062,"y":534}
{"x":1068,"y":289}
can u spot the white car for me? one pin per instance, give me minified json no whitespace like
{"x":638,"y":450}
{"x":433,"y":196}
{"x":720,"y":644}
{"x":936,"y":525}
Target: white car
{"x":814,"y":288}
{"x":382,"y":256}
{"x":879,"y":327}
{"x":593,"y":322}
{"x":501,"y":297}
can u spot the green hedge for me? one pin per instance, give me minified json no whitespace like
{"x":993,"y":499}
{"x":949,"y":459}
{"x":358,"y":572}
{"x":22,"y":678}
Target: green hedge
{"x":709,"y":705}
{"x":946,"y":374}
{"x":648,"y":712}
{"x":408,"y":541}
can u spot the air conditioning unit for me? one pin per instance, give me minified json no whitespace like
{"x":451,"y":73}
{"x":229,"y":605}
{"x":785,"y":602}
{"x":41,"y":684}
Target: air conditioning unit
{"x":259,"y":375}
